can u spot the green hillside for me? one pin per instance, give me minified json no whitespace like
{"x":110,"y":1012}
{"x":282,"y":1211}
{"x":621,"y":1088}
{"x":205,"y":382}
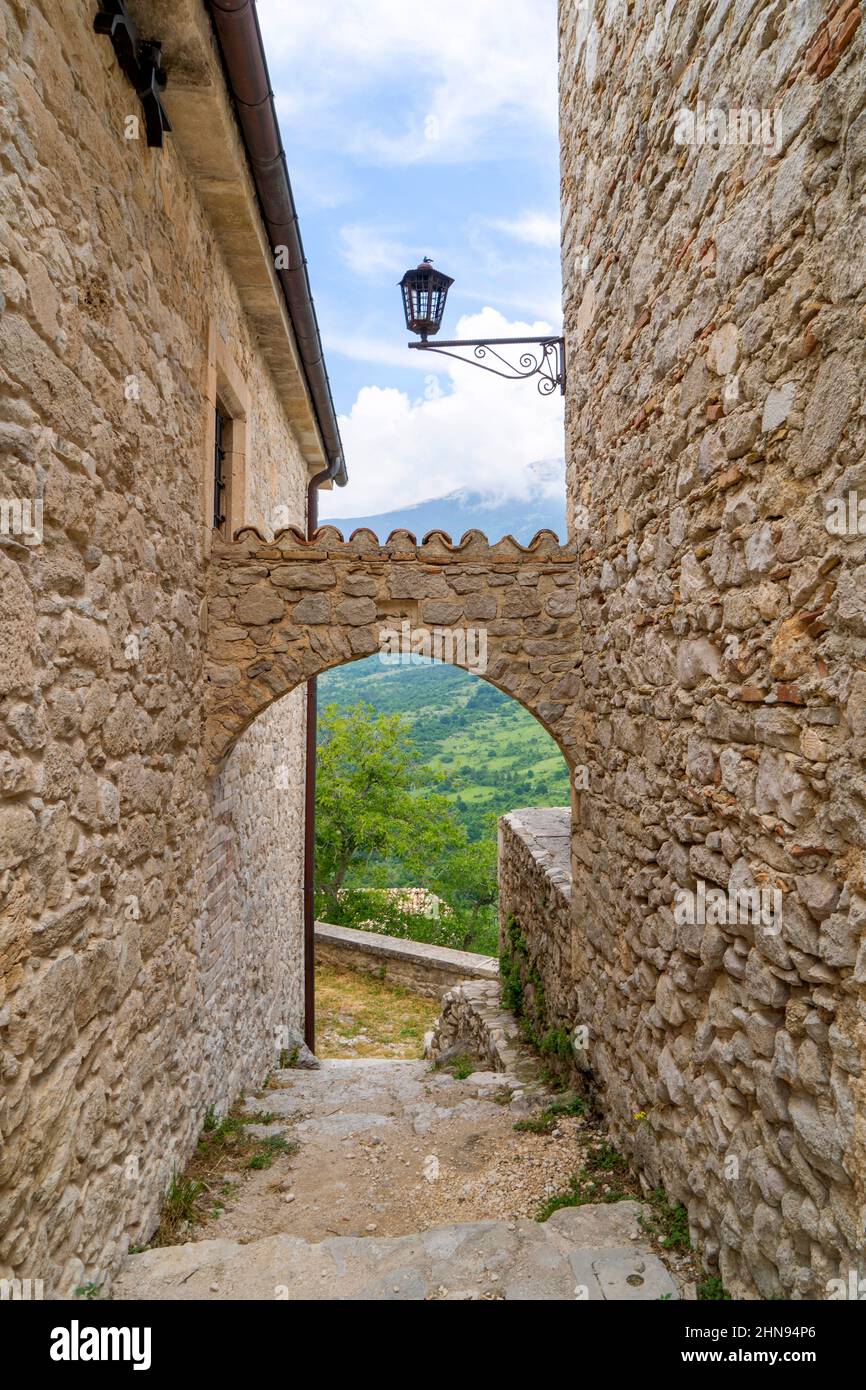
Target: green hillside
{"x":493,"y":754}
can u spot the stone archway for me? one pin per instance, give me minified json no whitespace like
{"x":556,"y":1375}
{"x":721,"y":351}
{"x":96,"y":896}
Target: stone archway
{"x":281,"y":611}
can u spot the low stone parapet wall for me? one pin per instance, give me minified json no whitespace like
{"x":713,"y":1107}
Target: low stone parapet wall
{"x":536,"y":928}
{"x":425,"y":969}
{"x":473,"y":1022}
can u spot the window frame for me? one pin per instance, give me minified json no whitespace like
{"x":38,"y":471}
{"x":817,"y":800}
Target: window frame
{"x":226,"y":392}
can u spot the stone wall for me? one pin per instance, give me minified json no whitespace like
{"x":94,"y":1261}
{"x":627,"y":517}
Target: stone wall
{"x":535,"y":928}
{"x":715,"y":316}
{"x":474,"y":1024}
{"x":268,"y":822}
{"x":427,"y":970}
{"x":149,"y":929}
{"x":283,"y":609}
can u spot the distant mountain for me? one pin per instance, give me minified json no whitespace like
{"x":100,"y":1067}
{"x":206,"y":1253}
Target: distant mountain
{"x":460,"y":511}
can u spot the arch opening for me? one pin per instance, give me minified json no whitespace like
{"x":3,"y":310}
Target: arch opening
{"x":467,"y":754}
{"x":284,"y":611}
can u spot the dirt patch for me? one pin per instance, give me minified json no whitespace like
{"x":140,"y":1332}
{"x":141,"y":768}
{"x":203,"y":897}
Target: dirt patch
{"x":359,"y":1015}
{"x":229,"y":1149}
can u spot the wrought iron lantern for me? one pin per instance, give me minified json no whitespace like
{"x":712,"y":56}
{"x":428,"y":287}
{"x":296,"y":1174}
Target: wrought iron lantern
{"x":424,"y":293}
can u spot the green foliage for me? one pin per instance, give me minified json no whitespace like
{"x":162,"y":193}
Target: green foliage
{"x":416,"y":763}
{"x":523,"y":993}
{"x":545,"y":1121}
{"x":552,"y":1079}
{"x":511,"y":985}
{"x":225,"y":1141}
{"x":572,"y":1197}
{"x":467,"y":881}
{"x":556,"y":1042}
{"x":603,"y":1162}
{"x":217,"y":1131}
{"x":606,"y":1159}
{"x":90,"y":1290}
{"x":230,"y":1135}
{"x":668,"y":1220}
{"x":376,"y":910}
{"x":268,"y":1148}
{"x":462,"y":1067}
{"x":712,"y":1290}
{"x":511,"y":965}
{"x":381,"y":822}
{"x":375,"y":798}
{"x":180,"y":1200}
{"x":579,"y":1194}
{"x":494,"y":755}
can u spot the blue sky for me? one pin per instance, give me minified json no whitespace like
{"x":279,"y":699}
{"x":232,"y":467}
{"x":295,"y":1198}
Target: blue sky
{"x":416,"y":130}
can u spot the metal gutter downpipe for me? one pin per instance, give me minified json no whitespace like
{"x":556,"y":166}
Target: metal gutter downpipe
{"x":310,"y":809}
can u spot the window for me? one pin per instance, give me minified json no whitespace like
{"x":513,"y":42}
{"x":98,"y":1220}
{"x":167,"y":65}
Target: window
{"x":221,"y":468}
{"x":225,"y":439}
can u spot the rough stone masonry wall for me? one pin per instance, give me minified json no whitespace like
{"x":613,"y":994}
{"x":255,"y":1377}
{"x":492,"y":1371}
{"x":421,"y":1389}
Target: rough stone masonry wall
{"x":282,"y":610}
{"x":715,"y":322}
{"x":473,"y":1023}
{"x":134,"y":993}
{"x":535,"y":928}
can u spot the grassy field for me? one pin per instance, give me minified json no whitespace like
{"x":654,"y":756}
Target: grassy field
{"x":493,"y":753}
{"x":359,"y":1015}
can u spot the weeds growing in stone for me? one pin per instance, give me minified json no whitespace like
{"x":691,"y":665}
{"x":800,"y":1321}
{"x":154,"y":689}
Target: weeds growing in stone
{"x":224,"y":1145}
{"x":598,"y":1181}
{"x":668,"y":1222}
{"x":712,"y":1290}
{"x":556,"y":1043}
{"x":462,"y":1067}
{"x":545,"y":1121}
{"x":178,"y":1209}
{"x":268,"y":1149}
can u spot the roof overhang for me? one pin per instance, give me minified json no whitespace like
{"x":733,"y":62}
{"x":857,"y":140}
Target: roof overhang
{"x":207,"y":137}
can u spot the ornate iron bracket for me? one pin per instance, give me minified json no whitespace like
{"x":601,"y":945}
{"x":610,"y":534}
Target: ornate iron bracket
{"x":547,"y":362}
{"x":141,"y":61}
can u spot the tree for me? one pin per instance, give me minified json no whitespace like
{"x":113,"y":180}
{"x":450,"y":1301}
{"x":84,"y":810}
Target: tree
{"x":468,"y":883}
{"x":376,"y":803}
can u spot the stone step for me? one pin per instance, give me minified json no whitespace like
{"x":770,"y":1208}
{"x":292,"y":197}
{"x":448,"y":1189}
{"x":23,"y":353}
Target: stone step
{"x":591,"y":1252}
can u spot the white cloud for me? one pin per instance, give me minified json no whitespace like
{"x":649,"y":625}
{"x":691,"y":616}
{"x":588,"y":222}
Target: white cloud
{"x":534,"y":228}
{"x":498,"y":264}
{"x":367,"y":252}
{"x":471,"y":74}
{"x":361,"y":348}
{"x":481,"y":432}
